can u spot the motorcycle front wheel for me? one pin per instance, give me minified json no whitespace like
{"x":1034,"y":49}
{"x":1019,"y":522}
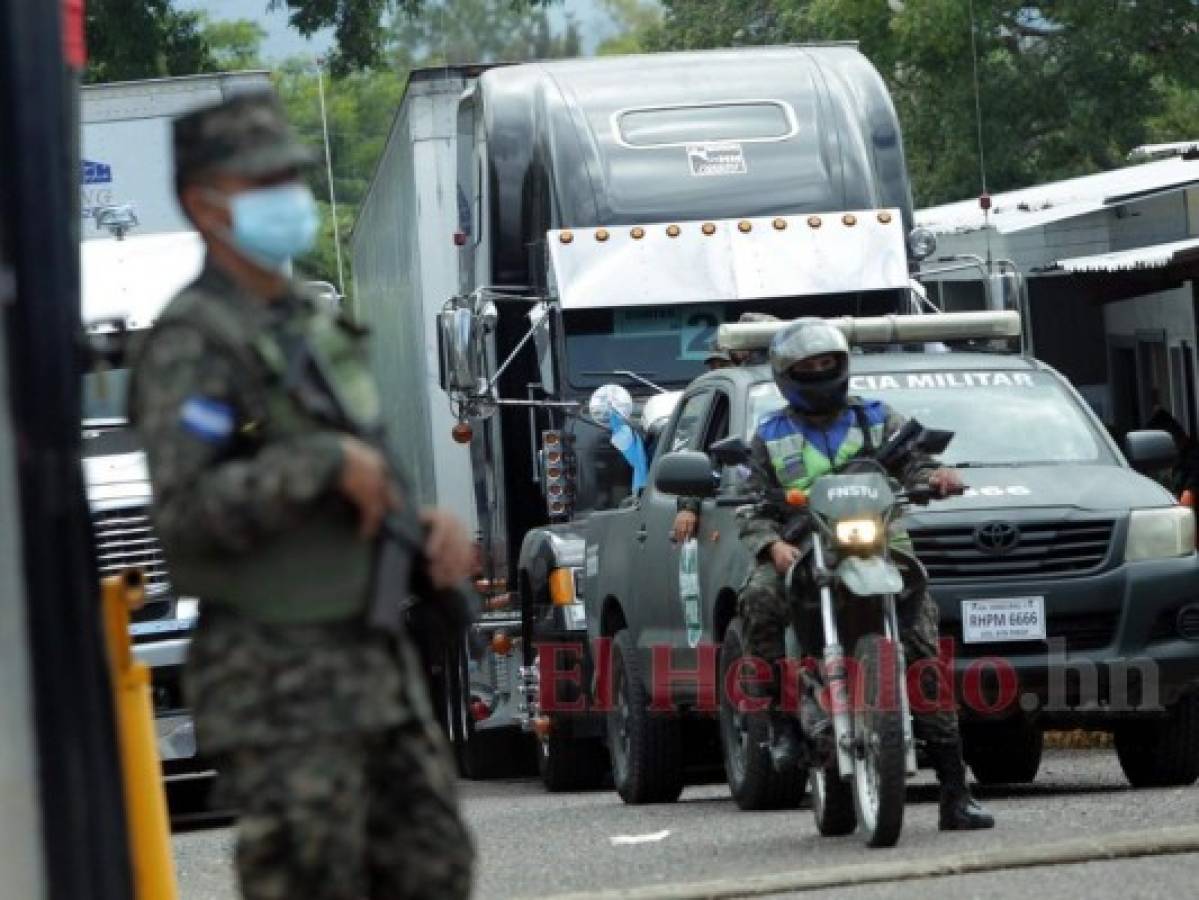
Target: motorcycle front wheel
{"x":879,"y":782}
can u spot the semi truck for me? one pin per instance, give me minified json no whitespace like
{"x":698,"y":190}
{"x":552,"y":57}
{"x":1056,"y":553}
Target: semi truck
{"x":536,"y":233}
{"x":137,"y":251}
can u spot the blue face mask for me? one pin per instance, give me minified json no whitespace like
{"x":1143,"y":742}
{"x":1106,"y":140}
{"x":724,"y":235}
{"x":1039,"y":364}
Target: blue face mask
{"x":274,"y":224}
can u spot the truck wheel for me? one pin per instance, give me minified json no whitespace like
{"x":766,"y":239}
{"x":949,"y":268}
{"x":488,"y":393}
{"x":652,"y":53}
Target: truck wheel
{"x":646,"y":748}
{"x":1162,"y":753}
{"x":743,"y":736}
{"x":568,"y":763}
{"x":1004,"y":754}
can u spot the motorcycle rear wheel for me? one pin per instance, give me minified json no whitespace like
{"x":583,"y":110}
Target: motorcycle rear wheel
{"x":880,"y":771}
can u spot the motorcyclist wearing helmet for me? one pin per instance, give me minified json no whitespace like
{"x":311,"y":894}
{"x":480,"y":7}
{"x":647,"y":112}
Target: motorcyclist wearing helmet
{"x":821,"y":428}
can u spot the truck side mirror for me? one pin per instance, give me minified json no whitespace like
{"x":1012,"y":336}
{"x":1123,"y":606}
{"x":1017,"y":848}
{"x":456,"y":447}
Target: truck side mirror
{"x":1150,"y":450}
{"x":543,"y":341}
{"x":687,"y":473}
{"x":458,"y":343}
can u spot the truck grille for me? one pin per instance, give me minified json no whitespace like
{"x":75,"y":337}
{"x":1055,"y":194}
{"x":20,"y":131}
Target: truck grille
{"x":125,"y":539}
{"x":1043,"y":549}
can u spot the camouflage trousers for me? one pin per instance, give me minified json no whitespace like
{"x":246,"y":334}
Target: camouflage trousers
{"x":764,"y":610}
{"x":350,"y":817}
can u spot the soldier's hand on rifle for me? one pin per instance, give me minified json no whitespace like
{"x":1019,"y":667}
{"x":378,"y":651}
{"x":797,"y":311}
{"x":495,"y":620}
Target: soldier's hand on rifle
{"x":448,"y":548}
{"x":366,"y":482}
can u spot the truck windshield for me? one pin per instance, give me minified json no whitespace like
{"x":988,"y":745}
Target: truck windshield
{"x":998,"y":418}
{"x":104,"y":395}
{"x":668,"y":344}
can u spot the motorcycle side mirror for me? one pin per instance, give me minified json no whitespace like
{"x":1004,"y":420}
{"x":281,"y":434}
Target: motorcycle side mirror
{"x":934,"y":440}
{"x":732,"y":451}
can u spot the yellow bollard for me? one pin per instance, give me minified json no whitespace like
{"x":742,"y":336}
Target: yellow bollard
{"x":145,"y":799}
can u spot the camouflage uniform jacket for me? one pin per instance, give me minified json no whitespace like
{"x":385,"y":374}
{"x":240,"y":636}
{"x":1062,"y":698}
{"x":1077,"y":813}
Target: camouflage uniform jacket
{"x":824,"y":446}
{"x":250,"y":683}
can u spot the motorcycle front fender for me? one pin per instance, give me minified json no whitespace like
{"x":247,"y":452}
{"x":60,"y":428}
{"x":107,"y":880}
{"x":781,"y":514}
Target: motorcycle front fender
{"x":869,"y":576}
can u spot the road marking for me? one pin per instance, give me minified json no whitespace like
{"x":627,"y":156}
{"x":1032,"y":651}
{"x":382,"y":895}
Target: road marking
{"x":622,"y":839}
{"x":1123,"y":845}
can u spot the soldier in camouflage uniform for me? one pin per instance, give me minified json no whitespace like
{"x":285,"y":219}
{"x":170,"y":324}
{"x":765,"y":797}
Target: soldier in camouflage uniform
{"x":319,"y":723}
{"x":821,"y":428}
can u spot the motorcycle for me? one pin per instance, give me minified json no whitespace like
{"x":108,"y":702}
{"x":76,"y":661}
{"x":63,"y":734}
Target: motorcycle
{"x":849,"y":581}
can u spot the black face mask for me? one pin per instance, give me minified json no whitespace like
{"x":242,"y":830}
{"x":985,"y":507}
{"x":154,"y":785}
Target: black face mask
{"x":819,"y":393}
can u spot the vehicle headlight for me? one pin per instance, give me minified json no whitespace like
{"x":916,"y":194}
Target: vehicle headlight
{"x":187,"y":608}
{"x":857,"y":533}
{"x":1160,"y":533}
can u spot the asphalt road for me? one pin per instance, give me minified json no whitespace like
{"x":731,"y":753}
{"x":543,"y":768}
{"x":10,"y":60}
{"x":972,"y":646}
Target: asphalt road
{"x":535,"y":844}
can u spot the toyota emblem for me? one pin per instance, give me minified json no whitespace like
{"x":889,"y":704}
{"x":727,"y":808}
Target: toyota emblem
{"x":996,"y":538}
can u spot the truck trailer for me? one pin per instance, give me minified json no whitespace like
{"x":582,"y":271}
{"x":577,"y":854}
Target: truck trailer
{"x":536,"y":232}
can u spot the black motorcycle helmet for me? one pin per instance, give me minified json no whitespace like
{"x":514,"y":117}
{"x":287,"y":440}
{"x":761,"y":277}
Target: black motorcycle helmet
{"x":810,"y":363}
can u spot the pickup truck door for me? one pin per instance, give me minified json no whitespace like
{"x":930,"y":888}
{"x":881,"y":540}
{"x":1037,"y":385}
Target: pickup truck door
{"x":656,"y":559}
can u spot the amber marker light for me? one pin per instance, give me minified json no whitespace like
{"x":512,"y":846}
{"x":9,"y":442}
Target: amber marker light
{"x":745,"y":227}
{"x":637,"y":233}
{"x":780,"y":224}
{"x":562,"y":587}
{"x":672,"y":231}
{"x":501,"y":644}
{"x":850,"y":219}
{"x":796,"y":497}
{"x":884,"y":218}
{"x":566,"y":237}
{"x":814,"y":222}
{"x":601,"y":234}
{"x":708,"y":228}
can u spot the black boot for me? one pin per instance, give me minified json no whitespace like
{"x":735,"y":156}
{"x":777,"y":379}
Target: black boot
{"x":959,"y":811}
{"x":786,"y":749}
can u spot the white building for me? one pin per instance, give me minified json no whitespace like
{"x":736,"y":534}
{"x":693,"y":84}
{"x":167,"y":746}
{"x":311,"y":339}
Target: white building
{"x":1112,"y":262}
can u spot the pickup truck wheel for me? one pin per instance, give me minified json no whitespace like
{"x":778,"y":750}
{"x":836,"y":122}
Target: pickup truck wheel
{"x":1009,"y":753}
{"x":568,"y":763}
{"x":1162,"y":753}
{"x":743,"y":736}
{"x":646,"y":748}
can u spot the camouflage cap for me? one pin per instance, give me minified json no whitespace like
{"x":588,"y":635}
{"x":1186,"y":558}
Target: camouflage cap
{"x":246,"y":134}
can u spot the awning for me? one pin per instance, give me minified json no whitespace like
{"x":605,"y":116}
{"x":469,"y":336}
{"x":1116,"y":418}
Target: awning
{"x":1156,"y":256}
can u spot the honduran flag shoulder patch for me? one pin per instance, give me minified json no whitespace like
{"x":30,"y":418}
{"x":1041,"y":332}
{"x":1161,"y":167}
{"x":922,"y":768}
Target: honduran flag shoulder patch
{"x":209,"y":420}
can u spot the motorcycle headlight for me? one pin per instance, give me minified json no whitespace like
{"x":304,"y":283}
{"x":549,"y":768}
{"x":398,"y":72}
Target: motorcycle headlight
{"x":1160,"y":533}
{"x":857,"y":534}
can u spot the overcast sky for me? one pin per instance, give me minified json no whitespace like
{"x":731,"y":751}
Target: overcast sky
{"x":283,"y":41}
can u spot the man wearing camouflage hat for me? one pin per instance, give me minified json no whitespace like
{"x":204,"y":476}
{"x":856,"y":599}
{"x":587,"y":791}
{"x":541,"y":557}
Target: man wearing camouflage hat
{"x":267,"y":508}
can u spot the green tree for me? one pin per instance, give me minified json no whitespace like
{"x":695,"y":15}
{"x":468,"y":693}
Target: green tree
{"x":361,"y":105}
{"x":636,"y":22}
{"x":359,"y":25}
{"x":132,"y":39}
{"x":233,"y":43}
{"x":1067,"y":87}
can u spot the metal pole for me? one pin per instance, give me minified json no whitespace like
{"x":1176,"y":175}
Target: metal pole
{"x":320,"y":82}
